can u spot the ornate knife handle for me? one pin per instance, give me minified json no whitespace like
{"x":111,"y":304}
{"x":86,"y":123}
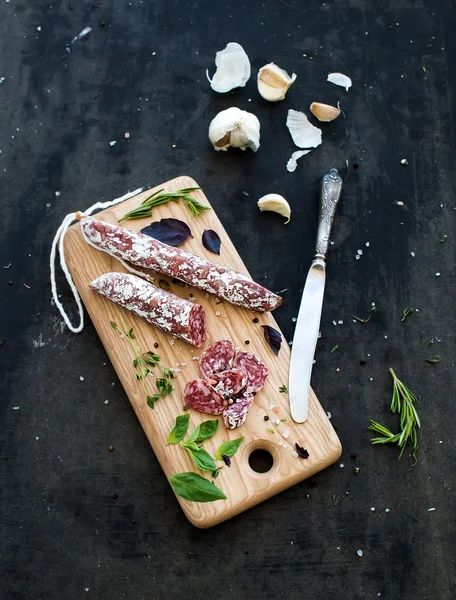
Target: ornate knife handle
{"x":330,"y":191}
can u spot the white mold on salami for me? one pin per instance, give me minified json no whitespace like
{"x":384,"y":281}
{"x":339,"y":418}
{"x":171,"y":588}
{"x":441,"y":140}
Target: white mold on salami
{"x":257,"y":371}
{"x":228,"y":383}
{"x":201,"y":396}
{"x":165,"y":310}
{"x":235,"y":415}
{"x":144,"y":251}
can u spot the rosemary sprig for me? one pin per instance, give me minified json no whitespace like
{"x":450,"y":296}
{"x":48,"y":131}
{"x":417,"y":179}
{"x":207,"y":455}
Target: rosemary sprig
{"x":372,"y":310}
{"x":407,"y":312}
{"x":143,"y":364}
{"x":158,"y":198}
{"x":433,"y":361}
{"x":403,"y":402}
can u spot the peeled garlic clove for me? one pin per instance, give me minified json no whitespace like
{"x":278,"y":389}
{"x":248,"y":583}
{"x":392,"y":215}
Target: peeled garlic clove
{"x":236,"y":128}
{"x":275,"y":203}
{"x":233,"y":69}
{"x":293,"y":161}
{"x":324,"y":112}
{"x":304,"y":134}
{"x":340,"y":79}
{"x":273,"y":82}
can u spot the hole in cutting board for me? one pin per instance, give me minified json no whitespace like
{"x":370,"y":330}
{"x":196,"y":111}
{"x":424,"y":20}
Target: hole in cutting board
{"x":261,"y":460}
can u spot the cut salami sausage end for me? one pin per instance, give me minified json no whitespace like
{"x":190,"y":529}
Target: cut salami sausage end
{"x":201,"y":396}
{"x":257,"y":371}
{"x":216,"y":358}
{"x":167,"y":311}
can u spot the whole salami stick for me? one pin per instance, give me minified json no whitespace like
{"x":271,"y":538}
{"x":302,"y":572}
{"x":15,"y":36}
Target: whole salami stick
{"x":165,"y":310}
{"x":144,"y":251}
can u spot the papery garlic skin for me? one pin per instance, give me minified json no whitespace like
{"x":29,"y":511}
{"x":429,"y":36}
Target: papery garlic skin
{"x":274,"y":82}
{"x":324,"y":112}
{"x":340,"y":79}
{"x":233,"y":69}
{"x":304,"y":134}
{"x":236,"y":128}
{"x":293,"y":160}
{"x":275,"y":203}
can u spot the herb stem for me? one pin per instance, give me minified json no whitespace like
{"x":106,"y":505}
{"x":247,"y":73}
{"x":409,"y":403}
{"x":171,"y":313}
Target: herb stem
{"x":161,"y":197}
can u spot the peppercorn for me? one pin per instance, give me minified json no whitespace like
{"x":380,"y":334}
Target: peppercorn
{"x":266,"y":418}
{"x":256,"y":319}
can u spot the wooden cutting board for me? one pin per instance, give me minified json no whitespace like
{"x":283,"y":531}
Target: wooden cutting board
{"x":243,"y":486}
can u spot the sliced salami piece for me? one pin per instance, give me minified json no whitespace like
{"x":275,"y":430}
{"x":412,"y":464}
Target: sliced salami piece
{"x":164,"y":310}
{"x":236,"y":414}
{"x":216,"y":358}
{"x":201,"y":396}
{"x":144,"y":251}
{"x":228,"y":383}
{"x":257,"y":371}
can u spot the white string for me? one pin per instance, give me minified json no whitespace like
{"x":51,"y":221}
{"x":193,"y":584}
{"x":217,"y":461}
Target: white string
{"x":58,"y":241}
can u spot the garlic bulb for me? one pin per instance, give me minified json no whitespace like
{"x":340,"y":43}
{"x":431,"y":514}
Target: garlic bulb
{"x":273,"y":82}
{"x":236,"y":128}
{"x":340,"y":79}
{"x":324,"y":112}
{"x":304,"y":134}
{"x":233,"y":69}
{"x":275,"y":203}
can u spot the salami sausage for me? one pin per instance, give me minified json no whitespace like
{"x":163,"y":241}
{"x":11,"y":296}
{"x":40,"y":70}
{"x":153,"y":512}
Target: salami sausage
{"x":256,"y":370}
{"x":228,"y":383}
{"x":165,"y":310}
{"x":236,"y":414}
{"x":201,"y":396}
{"x":216,"y":358}
{"x":144,"y":251}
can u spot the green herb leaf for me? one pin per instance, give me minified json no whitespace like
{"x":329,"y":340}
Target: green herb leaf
{"x":138,"y":377}
{"x":202,"y":459}
{"x":215,"y":473}
{"x":195,"y":488}
{"x":189,"y":444}
{"x":270,"y":429}
{"x":131,"y":335}
{"x":179,"y":430}
{"x":113,"y":325}
{"x":168,"y":373}
{"x":283,"y":389}
{"x":151,"y":400}
{"x":434,"y":360}
{"x":164,"y":387}
{"x":444,"y":239}
{"x":135,"y":362}
{"x":229,"y":448}
{"x":194,"y":435}
{"x":206,"y":430}
{"x":334,"y":348}
{"x":158,"y":198}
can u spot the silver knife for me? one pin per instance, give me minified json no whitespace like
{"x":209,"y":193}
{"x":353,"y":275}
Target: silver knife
{"x":308,"y":322}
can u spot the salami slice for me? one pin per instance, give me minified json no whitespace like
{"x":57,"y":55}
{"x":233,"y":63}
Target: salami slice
{"x":201,"y":396}
{"x":257,"y":371}
{"x":164,"y":310}
{"x":216,"y":358}
{"x":144,"y":251}
{"x":228,"y":383}
{"x":236,"y":414}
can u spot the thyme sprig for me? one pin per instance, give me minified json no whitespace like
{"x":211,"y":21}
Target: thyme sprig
{"x":360,"y":320}
{"x":161,"y":197}
{"x":143,"y":364}
{"x":403,"y":402}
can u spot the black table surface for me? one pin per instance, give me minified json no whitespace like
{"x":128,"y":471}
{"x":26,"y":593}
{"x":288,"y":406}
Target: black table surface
{"x":79,"y":521}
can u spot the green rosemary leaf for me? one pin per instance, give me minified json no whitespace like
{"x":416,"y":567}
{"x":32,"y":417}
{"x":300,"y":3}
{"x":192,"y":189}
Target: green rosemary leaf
{"x":443,"y":239}
{"x":162,"y":197}
{"x":334,"y":348}
{"x":434,"y":360}
{"x":407,"y":312}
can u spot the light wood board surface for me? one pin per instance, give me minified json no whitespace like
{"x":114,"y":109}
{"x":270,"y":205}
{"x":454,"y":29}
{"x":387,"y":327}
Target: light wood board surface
{"x":243,"y":487}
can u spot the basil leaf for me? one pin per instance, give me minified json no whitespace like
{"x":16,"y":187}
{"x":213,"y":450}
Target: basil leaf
{"x":189,"y":444}
{"x":229,"y":448}
{"x":194,"y":435}
{"x":202,"y":459}
{"x":179,"y":430}
{"x":195,"y":488}
{"x":206,"y":430}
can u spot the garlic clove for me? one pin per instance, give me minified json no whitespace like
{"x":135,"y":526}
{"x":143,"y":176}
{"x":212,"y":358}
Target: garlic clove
{"x":324,"y":112}
{"x":233,"y":69}
{"x":340,"y":79}
{"x":275,"y":203}
{"x":273,"y":82}
{"x":304,"y":134}
{"x":292,"y":162}
{"x":235,"y":128}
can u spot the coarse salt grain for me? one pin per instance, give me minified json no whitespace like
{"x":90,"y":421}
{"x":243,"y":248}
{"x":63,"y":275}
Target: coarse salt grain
{"x":16,"y":407}
{"x":81,"y":378}
{"x":437,"y":274}
{"x":360,"y":252}
{"x":431,"y":509}
{"x":400,"y":203}
{"x":106,"y":401}
{"x":217,"y":313}
{"x":359,"y":552}
{"x":126,"y":135}
{"x":412,"y":254}
{"x":341,"y":465}
{"x":280,"y":442}
{"x":387,"y":509}
{"x":113,"y":143}
{"x":285,"y":445}
{"x":286,"y":433}
{"x":328,"y":414}
{"x":340,"y":322}
{"x":295,"y":454}
{"x":372,"y":508}
{"x":367,"y":244}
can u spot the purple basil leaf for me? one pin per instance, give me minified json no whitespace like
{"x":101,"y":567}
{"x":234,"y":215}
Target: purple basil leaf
{"x":226,"y":460}
{"x":302,"y":452}
{"x":273,"y":338}
{"x":169,"y":231}
{"x":211,"y":241}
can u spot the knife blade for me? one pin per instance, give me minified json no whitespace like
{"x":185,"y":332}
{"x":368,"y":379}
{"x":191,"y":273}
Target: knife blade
{"x":308,"y":321}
